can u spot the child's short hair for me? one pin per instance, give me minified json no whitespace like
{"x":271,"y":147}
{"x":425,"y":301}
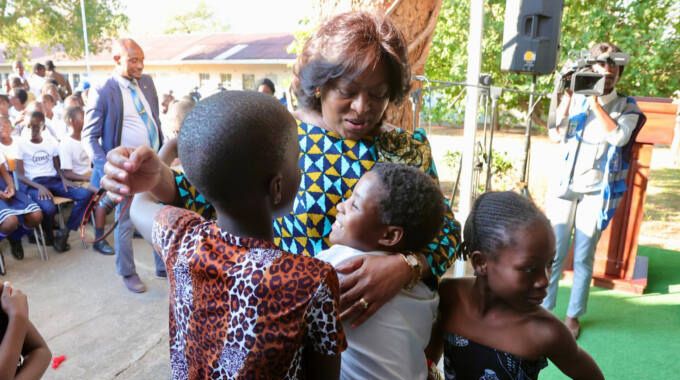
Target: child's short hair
{"x":72,"y":112}
{"x":21,"y":94}
{"x":231,"y":142}
{"x":38,"y":115}
{"x":494,"y":219}
{"x":4,"y":98}
{"x":47,"y":97}
{"x":412,"y":201}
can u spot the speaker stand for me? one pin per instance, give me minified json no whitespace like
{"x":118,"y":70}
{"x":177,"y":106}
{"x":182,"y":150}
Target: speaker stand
{"x":524,"y":182}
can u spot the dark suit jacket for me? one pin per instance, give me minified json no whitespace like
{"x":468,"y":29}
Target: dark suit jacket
{"x":104,"y":116}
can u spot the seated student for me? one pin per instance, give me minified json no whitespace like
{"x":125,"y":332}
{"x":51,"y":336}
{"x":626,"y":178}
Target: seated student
{"x":9,"y":143}
{"x":18,"y":98}
{"x":24,"y":130}
{"x":51,"y":89}
{"x":379,"y":216}
{"x":16,"y":209}
{"x":493,"y":326}
{"x":38,"y":167}
{"x":23,"y":352}
{"x":240,"y":307}
{"x":76,"y":166}
{"x":53,"y":122}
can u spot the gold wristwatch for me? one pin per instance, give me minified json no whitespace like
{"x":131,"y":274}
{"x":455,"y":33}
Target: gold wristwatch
{"x":415,"y":266}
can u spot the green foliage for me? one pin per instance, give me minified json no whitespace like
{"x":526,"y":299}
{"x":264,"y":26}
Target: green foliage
{"x":503,"y":177}
{"x":25,"y":23}
{"x":201,"y":19}
{"x":646,"y":29}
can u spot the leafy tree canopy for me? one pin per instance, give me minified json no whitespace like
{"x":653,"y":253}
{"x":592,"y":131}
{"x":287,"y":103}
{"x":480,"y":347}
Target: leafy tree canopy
{"x":646,"y":29}
{"x":26,"y":23}
{"x":201,"y":19}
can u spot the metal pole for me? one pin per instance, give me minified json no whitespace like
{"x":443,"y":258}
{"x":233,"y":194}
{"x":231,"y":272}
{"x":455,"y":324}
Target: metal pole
{"x":471,"y":104}
{"x":87,"y":46}
{"x":524,"y":185}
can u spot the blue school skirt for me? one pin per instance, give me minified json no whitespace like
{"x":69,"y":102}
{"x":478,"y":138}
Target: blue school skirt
{"x":20,"y":204}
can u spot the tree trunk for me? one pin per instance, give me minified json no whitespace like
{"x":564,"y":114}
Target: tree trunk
{"x":417,"y":20}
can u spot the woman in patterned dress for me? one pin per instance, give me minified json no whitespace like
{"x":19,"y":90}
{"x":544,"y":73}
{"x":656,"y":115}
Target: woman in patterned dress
{"x":344,"y":79}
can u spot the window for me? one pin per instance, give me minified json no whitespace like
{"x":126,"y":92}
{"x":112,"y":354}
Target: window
{"x":76,"y":81}
{"x":248,"y":82}
{"x":225,"y":80}
{"x":203,"y":79}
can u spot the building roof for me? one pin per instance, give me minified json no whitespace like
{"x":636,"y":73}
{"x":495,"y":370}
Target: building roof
{"x":196,"y":48}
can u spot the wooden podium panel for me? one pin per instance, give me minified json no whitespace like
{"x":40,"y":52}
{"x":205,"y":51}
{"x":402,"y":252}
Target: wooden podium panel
{"x":616,"y":263}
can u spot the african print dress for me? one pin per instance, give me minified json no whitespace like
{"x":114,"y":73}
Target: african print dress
{"x":331,"y":166}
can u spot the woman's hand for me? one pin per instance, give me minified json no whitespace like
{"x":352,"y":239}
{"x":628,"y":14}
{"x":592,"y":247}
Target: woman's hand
{"x":130,"y":171}
{"x":373,"y":279}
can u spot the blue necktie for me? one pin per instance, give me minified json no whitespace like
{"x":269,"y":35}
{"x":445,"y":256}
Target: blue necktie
{"x":150,"y":127}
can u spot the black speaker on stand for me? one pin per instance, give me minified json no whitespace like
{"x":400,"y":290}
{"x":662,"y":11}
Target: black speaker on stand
{"x":531,"y":38}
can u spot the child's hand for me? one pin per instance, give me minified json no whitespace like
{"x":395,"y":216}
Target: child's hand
{"x":130,"y":171}
{"x":14,"y":302}
{"x":44,"y":193}
{"x":9,"y":192}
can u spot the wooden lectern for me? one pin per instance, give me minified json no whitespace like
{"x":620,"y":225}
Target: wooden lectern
{"x":617,"y":265}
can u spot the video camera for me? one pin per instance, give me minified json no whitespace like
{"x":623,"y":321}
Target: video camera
{"x":578,"y":75}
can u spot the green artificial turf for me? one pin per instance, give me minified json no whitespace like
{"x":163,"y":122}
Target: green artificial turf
{"x":633,"y":336}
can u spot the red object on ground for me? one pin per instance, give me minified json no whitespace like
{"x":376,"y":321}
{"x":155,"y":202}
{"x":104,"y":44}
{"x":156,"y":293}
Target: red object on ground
{"x":57,"y":360}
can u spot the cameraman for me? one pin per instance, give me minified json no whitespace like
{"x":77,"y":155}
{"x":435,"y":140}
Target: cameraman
{"x":594,"y":132}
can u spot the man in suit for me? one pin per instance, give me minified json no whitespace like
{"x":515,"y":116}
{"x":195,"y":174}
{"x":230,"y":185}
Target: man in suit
{"x":123,"y":111}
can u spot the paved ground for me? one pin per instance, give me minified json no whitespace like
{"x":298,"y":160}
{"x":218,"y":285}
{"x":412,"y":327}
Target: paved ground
{"x":83,"y":310}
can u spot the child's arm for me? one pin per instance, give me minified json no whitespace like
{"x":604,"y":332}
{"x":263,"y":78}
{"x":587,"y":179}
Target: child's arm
{"x":71,"y":176}
{"x":37,"y":355}
{"x":569,"y":357}
{"x":15,"y":305}
{"x":9,"y":191}
{"x":57,"y":166}
{"x":168,"y":151}
{"x":130,"y":171}
{"x":143,"y":212}
{"x":435,"y":349}
{"x":43,"y":192}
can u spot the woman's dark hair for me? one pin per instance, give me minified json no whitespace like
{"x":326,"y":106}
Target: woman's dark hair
{"x":494,"y":219}
{"x":267,"y":82}
{"x":346,"y":46}
{"x":412,"y":200}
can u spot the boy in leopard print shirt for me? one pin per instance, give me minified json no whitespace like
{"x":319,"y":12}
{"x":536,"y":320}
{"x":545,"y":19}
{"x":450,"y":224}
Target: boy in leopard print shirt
{"x":239,"y":307}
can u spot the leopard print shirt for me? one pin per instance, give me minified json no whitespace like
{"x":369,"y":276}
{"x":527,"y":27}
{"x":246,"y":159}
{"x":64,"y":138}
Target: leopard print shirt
{"x":240,"y":308}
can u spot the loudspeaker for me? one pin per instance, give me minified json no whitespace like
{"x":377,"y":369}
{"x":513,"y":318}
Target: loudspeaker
{"x":531,"y":36}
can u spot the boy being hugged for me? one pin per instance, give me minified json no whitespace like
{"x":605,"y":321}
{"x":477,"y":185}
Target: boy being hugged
{"x":380,"y":217}
{"x":239,"y":307}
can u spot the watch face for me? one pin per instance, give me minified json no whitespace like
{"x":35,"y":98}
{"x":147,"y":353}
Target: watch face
{"x":412,"y":261}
